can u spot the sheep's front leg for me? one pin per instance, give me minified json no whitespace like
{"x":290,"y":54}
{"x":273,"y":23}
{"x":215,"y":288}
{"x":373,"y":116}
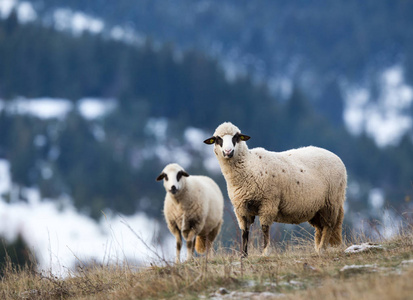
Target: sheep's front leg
{"x":245,"y":230}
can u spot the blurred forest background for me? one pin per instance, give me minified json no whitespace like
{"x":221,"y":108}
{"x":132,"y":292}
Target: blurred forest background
{"x":283,"y":71}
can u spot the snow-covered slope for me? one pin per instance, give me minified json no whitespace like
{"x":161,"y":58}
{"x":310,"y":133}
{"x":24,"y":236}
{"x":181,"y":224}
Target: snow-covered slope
{"x":62,"y":238}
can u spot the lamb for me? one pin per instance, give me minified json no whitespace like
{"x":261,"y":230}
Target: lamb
{"x":294,"y":186}
{"x":193,"y":207}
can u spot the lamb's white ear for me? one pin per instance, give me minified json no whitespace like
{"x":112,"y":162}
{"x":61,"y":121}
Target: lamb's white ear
{"x":161,"y":176}
{"x":210,"y":141}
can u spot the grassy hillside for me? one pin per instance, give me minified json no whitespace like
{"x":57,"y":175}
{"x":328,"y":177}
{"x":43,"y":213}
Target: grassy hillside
{"x":295,"y":272}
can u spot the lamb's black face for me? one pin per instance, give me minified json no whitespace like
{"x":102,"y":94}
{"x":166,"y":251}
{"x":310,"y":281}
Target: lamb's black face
{"x":227,"y":144}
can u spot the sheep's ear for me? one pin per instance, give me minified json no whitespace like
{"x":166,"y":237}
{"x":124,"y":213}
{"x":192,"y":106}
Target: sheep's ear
{"x":210,"y":141}
{"x":161,"y":176}
{"x":244,"y":137}
{"x":180,"y":174}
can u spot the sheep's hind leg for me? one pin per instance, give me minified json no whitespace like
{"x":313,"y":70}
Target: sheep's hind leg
{"x":336,"y":237}
{"x":266,"y":233}
{"x":325,"y":238}
{"x":317,"y":237}
{"x":315,"y":222}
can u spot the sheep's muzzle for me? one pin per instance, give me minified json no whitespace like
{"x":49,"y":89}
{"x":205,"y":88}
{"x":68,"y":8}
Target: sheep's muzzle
{"x":228,"y":154}
{"x":173,"y":190}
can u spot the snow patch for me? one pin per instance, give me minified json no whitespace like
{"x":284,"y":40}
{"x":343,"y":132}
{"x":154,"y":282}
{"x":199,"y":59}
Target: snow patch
{"x":5,"y":179}
{"x":6,"y":7}
{"x":385,"y":117}
{"x":24,"y":10}
{"x":166,"y":149}
{"x":195,"y":137}
{"x":376,"y":198}
{"x":77,"y":22}
{"x":93,"y":108}
{"x":44,"y":108}
{"x":55,"y":108}
{"x":127,"y":35}
{"x":157,"y":127}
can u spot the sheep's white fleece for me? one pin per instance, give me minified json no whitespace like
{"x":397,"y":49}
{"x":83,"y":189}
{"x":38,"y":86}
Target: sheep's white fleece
{"x":294,"y":186}
{"x":196,"y":210}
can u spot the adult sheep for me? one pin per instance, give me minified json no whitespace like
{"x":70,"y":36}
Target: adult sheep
{"x":193,"y":207}
{"x":294,"y":186}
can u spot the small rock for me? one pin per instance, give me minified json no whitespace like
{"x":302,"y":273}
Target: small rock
{"x":348,"y":269}
{"x":222,"y":291}
{"x":266,"y":295}
{"x":407,"y":262}
{"x":363,"y":248}
{"x":296,"y":283}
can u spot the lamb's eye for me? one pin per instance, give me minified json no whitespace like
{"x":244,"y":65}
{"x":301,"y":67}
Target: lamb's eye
{"x":166,"y":178}
{"x":178,"y":176}
{"x":219,"y":141}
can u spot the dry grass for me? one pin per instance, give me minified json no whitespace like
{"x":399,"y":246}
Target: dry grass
{"x":296,"y":272}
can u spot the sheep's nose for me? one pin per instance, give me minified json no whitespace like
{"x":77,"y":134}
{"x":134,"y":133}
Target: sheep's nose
{"x":228,"y":152}
{"x":173,"y":189}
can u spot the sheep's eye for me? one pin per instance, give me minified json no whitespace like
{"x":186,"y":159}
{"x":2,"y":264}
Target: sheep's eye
{"x":235,"y":139}
{"x":219,"y":141}
{"x":179,"y":175}
{"x":166,"y":177}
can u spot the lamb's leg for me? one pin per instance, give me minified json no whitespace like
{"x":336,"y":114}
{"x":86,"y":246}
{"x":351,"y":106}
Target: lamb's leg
{"x":189,"y":236}
{"x":266,"y":233}
{"x":177,"y":233}
{"x":211,"y":237}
